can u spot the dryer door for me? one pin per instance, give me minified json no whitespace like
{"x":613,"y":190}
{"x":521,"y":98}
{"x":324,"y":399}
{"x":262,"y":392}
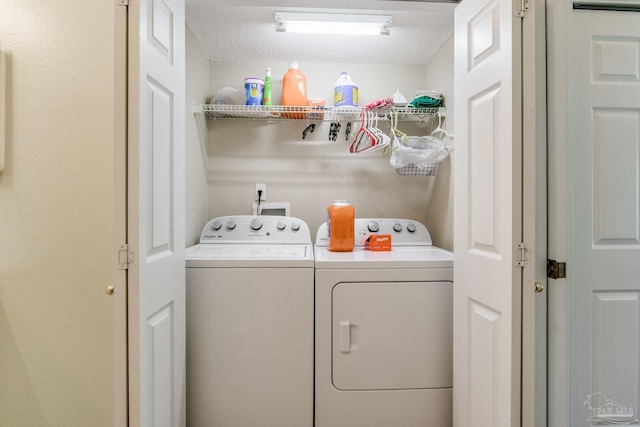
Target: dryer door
{"x":392,"y":335}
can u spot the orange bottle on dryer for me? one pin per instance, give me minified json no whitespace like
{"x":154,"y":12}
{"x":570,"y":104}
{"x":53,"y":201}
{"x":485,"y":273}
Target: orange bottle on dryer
{"x":294,"y":91}
{"x":341,"y":224}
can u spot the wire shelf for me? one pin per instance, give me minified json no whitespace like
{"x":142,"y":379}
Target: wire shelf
{"x":309,"y":113}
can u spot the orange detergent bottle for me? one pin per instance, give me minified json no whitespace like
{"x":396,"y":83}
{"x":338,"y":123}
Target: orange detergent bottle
{"x":294,"y":91}
{"x":340,"y":224}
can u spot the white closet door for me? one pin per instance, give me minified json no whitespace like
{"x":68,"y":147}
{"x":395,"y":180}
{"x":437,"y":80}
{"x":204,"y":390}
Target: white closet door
{"x":488,"y":216}
{"x":604,"y":263}
{"x":156,"y":280}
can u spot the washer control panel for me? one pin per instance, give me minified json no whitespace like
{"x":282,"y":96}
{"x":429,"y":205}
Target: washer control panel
{"x":403,"y":232}
{"x":255,"y":229}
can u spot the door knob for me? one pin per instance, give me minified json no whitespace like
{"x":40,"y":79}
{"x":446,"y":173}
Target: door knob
{"x":539,"y":287}
{"x":110,"y":290}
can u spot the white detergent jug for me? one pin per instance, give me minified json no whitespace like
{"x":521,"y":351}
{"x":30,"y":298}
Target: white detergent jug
{"x":345,"y":91}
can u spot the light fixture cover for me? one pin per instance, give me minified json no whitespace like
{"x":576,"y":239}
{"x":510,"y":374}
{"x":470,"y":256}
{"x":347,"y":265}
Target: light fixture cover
{"x":332,"y":23}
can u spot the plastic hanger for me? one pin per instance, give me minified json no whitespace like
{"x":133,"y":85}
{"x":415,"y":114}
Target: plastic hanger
{"x":439,"y":129}
{"x":369,"y":137}
{"x":395,"y":133}
{"x":382,"y":139}
{"x":363,"y":138}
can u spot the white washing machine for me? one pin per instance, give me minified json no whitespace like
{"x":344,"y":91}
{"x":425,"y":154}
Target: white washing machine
{"x":384,"y":330}
{"x":250,"y":323}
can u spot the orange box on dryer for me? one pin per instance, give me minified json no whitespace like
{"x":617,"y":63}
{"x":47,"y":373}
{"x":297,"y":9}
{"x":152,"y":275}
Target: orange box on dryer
{"x":378,"y":242}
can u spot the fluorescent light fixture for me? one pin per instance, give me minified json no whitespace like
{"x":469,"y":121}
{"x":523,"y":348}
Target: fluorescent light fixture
{"x":332,"y":23}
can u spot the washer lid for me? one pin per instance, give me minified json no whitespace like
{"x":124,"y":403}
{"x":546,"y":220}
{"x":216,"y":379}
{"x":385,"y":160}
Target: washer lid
{"x":249,"y":255}
{"x":397,"y":257}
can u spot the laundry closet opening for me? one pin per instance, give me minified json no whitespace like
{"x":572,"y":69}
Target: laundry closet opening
{"x":260,"y":338}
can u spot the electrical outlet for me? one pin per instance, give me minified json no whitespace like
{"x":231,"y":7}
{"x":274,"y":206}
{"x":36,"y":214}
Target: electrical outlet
{"x":263,"y":192}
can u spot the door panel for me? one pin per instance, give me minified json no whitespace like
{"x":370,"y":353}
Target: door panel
{"x":605,"y":207}
{"x":484,"y":346}
{"x":484,"y":172}
{"x":160,"y":327}
{"x":488,"y":214}
{"x":619,"y":312}
{"x":484,"y":34}
{"x":159,"y":171}
{"x":156,"y":213}
{"x":616,"y":144}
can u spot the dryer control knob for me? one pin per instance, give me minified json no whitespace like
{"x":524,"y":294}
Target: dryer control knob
{"x":217,"y":225}
{"x":411,"y":228}
{"x":231,"y":225}
{"x":256,"y":224}
{"x":295,"y":226}
{"x":281,"y":225}
{"x":373,"y":227}
{"x":397,"y":227}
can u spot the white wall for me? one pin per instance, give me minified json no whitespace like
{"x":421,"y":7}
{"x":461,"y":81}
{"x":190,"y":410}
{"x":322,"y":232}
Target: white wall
{"x":56,"y":215}
{"x":197,"y":90}
{"x":440,"y":189}
{"x":311,"y":173}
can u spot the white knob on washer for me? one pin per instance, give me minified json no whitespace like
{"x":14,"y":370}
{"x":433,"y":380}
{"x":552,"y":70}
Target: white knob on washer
{"x":256,"y":224}
{"x":397,"y":227}
{"x":411,"y":227}
{"x":373,"y":227}
{"x":295,"y":226}
{"x":281,"y":225}
{"x":231,"y":224}
{"x":217,"y":225}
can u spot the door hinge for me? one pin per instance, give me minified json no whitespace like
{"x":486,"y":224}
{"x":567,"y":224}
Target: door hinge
{"x":556,"y":270}
{"x":122,"y":2}
{"x":523,"y":6}
{"x":125,"y":257}
{"x":522,"y":255}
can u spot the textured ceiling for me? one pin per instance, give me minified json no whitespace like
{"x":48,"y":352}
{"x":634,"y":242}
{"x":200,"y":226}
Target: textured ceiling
{"x":244,"y":30}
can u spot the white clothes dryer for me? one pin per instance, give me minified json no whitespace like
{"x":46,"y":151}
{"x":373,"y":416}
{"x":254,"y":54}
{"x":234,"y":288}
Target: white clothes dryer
{"x":250,"y":323}
{"x":384,"y":330}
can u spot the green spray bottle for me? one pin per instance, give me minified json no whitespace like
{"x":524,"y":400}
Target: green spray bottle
{"x":266,"y":99}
